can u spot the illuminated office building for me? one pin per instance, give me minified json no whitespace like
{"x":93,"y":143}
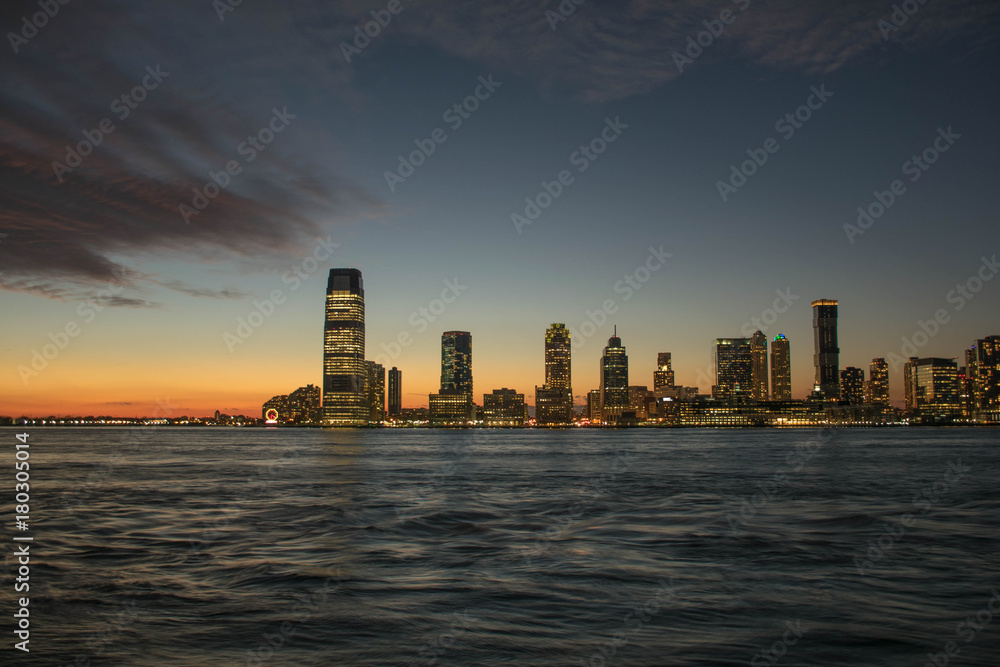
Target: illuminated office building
{"x":504,"y":407}
{"x":554,"y":399}
{"x":453,"y":404}
{"x":878,"y":382}
{"x":982,"y":364}
{"x":935,"y":387}
{"x":376,"y":392}
{"x":826,"y":356}
{"x":614,"y":380}
{"x":909,"y":384}
{"x":395,"y":392}
{"x":781,"y":369}
{"x":758,"y":367}
{"x":663,"y":376}
{"x":733,"y":376}
{"x":345,"y":375}
{"x":852,"y":381}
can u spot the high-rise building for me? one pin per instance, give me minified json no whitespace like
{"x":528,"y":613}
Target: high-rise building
{"x":345,"y":376}
{"x":594,"y":405}
{"x":376,"y":392}
{"x":852,"y":381}
{"x":395,"y":392}
{"x":826,"y":356}
{"x":878,"y":382}
{"x":304,"y":405}
{"x":909,"y":383}
{"x":504,"y":407}
{"x":935,"y":387}
{"x":758,"y":367}
{"x":274,"y":410}
{"x":554,"y":399}
{"x":640,"y":401}
{"x":614,"y":380}
{"x":781,"y":369}
{"x":453,"y":404}
{"x":456,"y":362}
{"x":733,"y":377}
{"x":982,"y":364}
{"x":663,"y":376}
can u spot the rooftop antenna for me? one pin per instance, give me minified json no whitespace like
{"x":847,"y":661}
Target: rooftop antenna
{"x":616,"y":331}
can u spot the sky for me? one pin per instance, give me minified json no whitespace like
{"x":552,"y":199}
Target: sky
{"x":176,"y":180}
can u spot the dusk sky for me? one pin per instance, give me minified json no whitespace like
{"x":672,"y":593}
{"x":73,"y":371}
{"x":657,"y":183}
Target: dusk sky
{"x":678,"y":117}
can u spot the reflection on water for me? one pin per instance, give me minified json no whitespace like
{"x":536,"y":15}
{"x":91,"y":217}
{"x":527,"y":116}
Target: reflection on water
{"x":480,"y":547}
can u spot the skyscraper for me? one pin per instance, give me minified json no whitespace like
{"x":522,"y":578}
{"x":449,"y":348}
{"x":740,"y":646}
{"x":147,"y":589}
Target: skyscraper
{"x":554,"y":399}
{"x":826,"y":356}
{"x":982,"y":363}
{"x":663,"y":376}
{"x":878,"y":382}
{"x":733,"y":376}
{"x":852,"y":381}
{"x":376,"y":392}
{"x":614,"y":380}
{"x":935,"y":387}
{"x":345,"y":376}
{"x":909,"y":383}
{"x":758,"y":366}
{"x":781,"y":369}
{"x":453,"y":404}
{"x":395,"y":392}
{"x":456,"y":362}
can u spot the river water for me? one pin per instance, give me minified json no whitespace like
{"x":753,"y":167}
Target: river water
{"x":198,"y":546}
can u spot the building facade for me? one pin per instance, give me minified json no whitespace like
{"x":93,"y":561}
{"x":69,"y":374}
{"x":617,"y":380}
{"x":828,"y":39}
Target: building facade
{"x":878,"y":382}
{"x":826,"y":355}
{"x":504,"y":407}
{"x":554,"y":399}
{"x":395,"y":393}
{"x":376,"y":392}
{"x":614,"y":381}
{"x":733,"y":375}
{"x":345,"y":375}
{"x":453,"y":405}
{"x":781,"y":369}
{"x":663,"y":376}
{"x":852,"y":385}
{"x":935,"y":387}
{"x":982,"y":364}
{"x":758,"y":367}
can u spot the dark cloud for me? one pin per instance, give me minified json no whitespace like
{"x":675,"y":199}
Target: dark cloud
{"x":120,"y":206}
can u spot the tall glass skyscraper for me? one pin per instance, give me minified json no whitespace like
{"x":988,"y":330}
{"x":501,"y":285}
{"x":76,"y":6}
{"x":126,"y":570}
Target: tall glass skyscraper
{"x":376,"y":392}
{"x":395,"y":392}
{"x":345,"y":374}
{"x":554,"y":399}
{"x":456,"y":362}
{"x":663,"y":376}
{"x":733,"y":376}
{"x":826,"y":356}
{"x":878,"y":382}
{"x":614,"y":380}
{"x":781,"y":369}
{"x":758,"y":367}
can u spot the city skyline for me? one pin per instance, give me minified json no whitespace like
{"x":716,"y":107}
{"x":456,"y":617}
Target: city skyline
{"x":490,"y":173}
